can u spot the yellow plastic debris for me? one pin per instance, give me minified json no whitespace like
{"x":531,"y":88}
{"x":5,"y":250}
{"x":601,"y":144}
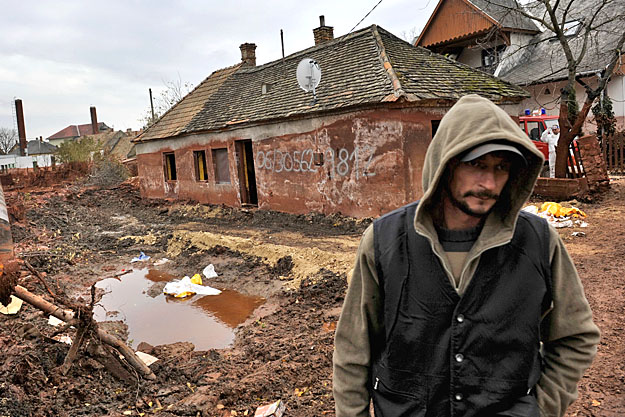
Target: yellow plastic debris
{"x":196,"y":279}
{"x":557,"y":210}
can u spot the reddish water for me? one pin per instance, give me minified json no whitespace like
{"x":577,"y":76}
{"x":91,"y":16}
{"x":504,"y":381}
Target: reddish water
{"x":206,"y":321}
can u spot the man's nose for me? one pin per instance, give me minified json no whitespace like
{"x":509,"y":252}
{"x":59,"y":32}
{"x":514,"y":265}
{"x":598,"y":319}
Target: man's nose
{"x":487,"y":179}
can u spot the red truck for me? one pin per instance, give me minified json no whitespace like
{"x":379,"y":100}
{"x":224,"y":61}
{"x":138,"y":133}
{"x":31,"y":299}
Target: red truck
{"x":534,"y":126}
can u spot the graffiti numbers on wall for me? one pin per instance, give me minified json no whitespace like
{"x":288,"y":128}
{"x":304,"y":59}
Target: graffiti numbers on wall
{"x":339,"y":163}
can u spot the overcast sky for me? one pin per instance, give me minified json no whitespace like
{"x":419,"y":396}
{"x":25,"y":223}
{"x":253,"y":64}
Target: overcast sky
{"x":61,"y":57}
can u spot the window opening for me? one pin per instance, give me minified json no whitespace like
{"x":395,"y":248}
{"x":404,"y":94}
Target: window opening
{"x":435,"y":124}
{"x":221,"y":166}
{"x":199,"y":158}
{"x":170,"y":166}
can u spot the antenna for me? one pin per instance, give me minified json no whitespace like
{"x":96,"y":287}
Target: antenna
{"x":308,"y":76}
{"x":283,"y":63}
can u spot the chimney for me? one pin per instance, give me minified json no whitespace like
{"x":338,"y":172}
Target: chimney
{"x":94,"y":121}
{"x":21,"y":127}
{"x":323,"y":33}
{"x":248,"y":54}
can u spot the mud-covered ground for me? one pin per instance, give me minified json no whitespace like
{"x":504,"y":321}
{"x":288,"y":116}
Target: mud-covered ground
{"x":75,"y":235}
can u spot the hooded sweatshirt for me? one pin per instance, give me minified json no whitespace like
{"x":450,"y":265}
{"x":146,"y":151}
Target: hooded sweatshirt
{"x":568,"y":333}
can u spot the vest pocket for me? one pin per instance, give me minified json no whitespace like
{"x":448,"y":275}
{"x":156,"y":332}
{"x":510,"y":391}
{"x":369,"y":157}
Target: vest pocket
{"x":389,"y":400}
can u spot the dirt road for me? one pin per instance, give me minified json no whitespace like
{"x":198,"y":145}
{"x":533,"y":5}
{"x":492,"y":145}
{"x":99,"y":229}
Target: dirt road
{"x":80,"y":235}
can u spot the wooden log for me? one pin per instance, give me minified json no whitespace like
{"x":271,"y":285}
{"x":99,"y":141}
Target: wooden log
{"x":105,"y":337}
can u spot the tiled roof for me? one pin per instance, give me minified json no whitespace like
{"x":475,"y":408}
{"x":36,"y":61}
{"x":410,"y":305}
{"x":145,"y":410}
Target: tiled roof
{"x":74,"y":131}
{"x":505,"y":13}
{"x":176,"y":118}
{"x":543,"y":60}
{"x":370,"y":66}
{"x":428,"y":75}
{"x":35,"y":147}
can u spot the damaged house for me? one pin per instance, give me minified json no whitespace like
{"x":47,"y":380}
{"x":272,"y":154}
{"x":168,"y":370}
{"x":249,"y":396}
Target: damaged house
{"x":249,"y":135}
{"x":500,"y":37}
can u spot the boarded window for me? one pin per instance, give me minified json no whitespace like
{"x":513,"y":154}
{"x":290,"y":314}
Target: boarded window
{"x":170,"y":166}
{"x":200,"y":165}
{"x":221,"y":166}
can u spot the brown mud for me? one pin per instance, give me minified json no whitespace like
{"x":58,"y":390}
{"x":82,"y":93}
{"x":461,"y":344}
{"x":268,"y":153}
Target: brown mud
{"x":77,"y":235}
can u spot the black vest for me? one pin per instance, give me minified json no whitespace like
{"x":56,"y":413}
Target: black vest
{"x":446,"y":355}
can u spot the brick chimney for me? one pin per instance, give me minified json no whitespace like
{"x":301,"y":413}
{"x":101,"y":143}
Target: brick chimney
{"x":323,"y":33}
{"x":248,"y":54}
{"x":21,"y":127}
{"x":94,"y":121}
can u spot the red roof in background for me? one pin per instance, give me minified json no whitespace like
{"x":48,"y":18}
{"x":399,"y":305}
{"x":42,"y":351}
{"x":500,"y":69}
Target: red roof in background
{"x":74,"y":131}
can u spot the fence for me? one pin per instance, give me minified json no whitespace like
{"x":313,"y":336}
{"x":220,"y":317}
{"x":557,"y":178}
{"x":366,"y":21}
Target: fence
{"x":613,"y":148}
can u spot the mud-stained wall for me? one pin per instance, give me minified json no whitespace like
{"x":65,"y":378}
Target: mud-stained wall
{"x":359,"y":164}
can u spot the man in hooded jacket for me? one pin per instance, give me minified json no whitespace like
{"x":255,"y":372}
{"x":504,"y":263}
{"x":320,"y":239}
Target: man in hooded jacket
{"x":461,"y":304}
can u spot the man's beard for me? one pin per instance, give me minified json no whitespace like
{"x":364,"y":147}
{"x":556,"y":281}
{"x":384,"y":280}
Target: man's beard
{"x":464,"y":207}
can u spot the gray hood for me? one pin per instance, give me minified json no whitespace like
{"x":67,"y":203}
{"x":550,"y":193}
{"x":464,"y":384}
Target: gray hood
{"x":474,"y":120}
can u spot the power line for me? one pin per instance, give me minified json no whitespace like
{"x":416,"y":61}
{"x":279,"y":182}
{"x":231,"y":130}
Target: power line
{"x":361,"y":20}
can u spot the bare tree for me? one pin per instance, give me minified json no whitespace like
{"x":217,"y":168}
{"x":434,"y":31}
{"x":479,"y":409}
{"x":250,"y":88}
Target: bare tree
{"x":8,"y":138}
{"x":174,"y":91}
{"x":591,"y":21}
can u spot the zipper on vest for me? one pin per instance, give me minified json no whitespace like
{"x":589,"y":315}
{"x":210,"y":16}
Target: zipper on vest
{"x":375,"y":386}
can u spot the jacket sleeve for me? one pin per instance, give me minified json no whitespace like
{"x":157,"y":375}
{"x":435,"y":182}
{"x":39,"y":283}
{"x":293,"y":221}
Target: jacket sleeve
{"x":569,"y":337}
{"x":359,"y":323}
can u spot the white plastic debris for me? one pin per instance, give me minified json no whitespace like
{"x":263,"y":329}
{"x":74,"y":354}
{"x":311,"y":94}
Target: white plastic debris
{"x":161,"y":262}
{"x":146,"y":358}
{"x":578,"y":234}
{"x":14,"y":306}
{"x":63,"y":338}
{"x":189,"y":286}
{"x":531,"y":209}
{"x":209,"y":271}
{"x":142,"y":257}
{"x":53,"y":321}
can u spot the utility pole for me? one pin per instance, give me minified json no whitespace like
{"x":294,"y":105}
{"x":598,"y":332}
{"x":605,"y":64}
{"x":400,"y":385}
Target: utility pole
{"x":151,"y":104}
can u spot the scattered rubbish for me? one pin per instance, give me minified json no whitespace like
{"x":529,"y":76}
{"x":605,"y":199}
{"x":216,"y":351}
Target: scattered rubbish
{"x":14,"y":306}
{"x":271,"y":410}
{"x":146,"y":358}
{"x":142,"y":257}
{"x":578,"y":234}
{"x":209,"y":271}
{"x":558,"y":216}
{"x":53,"y":321}
{"x":189,"y":286}
{"x":63,"y":338}
{"x":161,"y":262}
{"x":557,"y":210}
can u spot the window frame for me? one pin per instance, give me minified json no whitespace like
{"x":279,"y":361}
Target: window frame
{"x":169,"y":160}
{"x":200,"y":165}
{"x":219,"y":178}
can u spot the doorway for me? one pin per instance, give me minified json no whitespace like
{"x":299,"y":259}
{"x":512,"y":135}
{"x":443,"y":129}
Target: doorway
{"x":247,"y":174}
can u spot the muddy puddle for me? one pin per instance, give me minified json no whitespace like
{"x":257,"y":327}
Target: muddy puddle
{"x":206,"y":321}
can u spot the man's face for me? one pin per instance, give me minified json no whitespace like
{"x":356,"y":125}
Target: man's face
{"x":475,"y":186}
{"x":556,"y":130}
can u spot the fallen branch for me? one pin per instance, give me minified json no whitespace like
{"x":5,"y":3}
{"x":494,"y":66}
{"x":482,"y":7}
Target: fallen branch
{"x":68,"y":317}
{"x":39,"y":277}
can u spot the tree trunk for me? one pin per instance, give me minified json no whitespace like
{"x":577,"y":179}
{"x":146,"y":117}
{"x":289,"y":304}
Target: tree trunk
{"x":568,"y":132}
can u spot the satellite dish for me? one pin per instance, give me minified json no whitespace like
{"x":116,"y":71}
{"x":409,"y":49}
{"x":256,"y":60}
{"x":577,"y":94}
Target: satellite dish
{"x":308,"y":75}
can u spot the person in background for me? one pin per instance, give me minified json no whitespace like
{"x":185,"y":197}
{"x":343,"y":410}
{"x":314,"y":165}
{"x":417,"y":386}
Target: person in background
{"x":551,"y":137}
{"x":461,"y":303}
